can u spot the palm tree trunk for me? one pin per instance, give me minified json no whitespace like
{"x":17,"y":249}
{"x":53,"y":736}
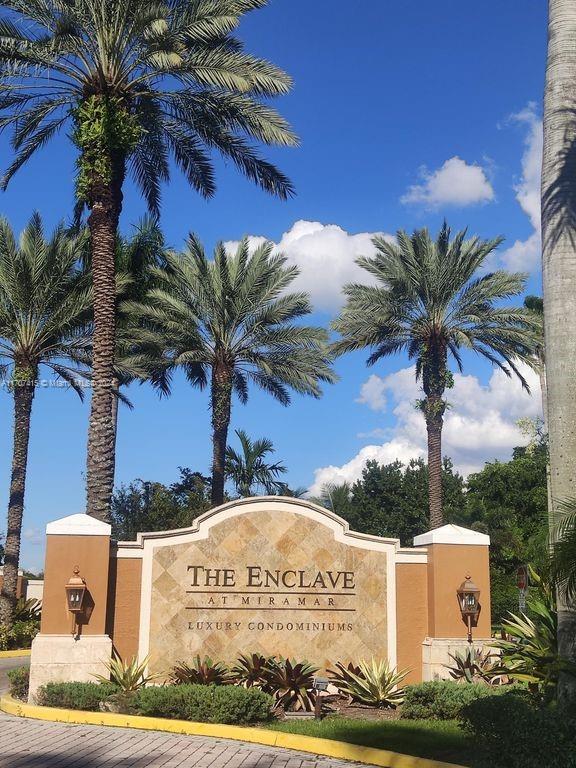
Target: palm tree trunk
{"x":559,"y":278}
{"x":115,"y":390}
{"x":103,"y":225}
{"x":434,"y":423}
{"x":221,"y":408}
{"x":24,"y":385}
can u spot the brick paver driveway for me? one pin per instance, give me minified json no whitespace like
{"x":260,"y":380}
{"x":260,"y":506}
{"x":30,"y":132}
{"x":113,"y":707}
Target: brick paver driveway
{"x":36,"y":744}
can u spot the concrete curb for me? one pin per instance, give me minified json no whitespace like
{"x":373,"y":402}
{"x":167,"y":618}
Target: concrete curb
{"x":14,"y":654}
{"x":326,"y":747}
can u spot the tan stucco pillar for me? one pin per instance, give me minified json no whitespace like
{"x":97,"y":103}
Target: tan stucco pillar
{"x":58,"y":653}
{"x":453,"y":553}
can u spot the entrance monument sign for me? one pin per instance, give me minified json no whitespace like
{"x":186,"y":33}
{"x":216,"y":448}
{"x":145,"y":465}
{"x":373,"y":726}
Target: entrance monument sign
{"x":271,"y":578}
{"x":270,"y":575}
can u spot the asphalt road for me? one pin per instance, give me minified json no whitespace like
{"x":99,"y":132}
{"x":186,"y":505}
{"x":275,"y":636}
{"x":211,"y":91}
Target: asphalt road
{"x":6,"y":665}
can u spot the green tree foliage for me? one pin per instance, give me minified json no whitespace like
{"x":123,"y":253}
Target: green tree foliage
{"x":45,"y":303}
{"x":150,"y":506}
{"x":508,"y":500}
{"x":432,"y":301}
{"x":392,"y":500}
{"x":135,"y":84}
{"x":231,"y":322}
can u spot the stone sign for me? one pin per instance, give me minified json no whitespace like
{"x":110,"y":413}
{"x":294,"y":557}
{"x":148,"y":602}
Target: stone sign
{"x":271,"y":577}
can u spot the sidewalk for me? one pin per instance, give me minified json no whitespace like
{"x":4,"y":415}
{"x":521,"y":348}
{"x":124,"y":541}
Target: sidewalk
{"x":37,"y":744}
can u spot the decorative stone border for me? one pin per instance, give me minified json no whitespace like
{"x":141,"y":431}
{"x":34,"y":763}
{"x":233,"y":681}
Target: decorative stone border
{"x":15,"y":654}
{"x":325,"y":747}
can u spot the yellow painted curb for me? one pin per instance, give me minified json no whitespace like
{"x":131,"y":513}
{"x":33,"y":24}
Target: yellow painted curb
{"x":325,"y":747}
{"x":14,"y":654}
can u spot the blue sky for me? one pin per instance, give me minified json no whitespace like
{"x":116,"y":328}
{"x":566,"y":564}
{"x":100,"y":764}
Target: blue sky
{"x":408,"y":113}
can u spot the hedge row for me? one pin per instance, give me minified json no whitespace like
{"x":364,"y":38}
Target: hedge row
{"x":198,"y":703}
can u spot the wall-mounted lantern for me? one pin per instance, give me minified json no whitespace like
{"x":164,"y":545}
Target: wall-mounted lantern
{"x":75,"y":594}
{"x":469,"y":602}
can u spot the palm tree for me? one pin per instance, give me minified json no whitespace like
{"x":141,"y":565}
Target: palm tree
{"x":248,"y":469}
{"x":335,"y":497}
{"x":45,"y":299}
{"x":135,"y":82}
{"x":230,"y":322}
{"x":559,"y":281}
{"x":430,"y":302}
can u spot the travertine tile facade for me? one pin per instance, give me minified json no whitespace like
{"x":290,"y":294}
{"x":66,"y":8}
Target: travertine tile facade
{"x":321,"y":600}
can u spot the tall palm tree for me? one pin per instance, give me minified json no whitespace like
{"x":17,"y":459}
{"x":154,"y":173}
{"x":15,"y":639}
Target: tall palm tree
{"x":44,"y":303}
{"x":248,"y":468}
{"x":135,"y":82}
{"x":230,"y":322}
{"x":431,"y":302}
{"x":559,"y":280}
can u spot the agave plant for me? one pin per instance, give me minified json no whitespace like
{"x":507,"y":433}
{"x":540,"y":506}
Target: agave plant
{"x":129,"y":676}
{"x":373,"y":683}
{"x":252,"y":670}
{"x":202,"y":671}
{"x":476,"y":665}
{"x":529,"y":644}
{"x":291,"y":684}
{"x":342,"y":676}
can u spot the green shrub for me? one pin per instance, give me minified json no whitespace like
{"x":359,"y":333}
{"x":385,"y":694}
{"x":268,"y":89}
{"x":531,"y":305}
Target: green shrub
{"x":442,"y":699}
{"x":19,"y":636}
{"x":83,"y":696}
{"x":513,"y":731}
{"x":204,"y":703}
{"x":19,"y":682}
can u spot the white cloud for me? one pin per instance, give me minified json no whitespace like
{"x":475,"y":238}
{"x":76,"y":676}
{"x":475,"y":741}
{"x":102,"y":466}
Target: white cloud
{"x":372,"y":393}
{"x":454,"y":183}
{"x":479,"y":426}
{"x":325,"y":255}
{"x":524,"y":255}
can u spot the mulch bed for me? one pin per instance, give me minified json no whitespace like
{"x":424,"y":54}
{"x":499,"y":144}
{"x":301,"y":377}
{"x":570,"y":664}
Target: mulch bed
{"x":359,"y":712}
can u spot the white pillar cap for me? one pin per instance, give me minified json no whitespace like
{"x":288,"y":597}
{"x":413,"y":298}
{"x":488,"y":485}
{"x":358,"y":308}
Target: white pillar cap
{"x":452,"y":534}
{"x":78,"y":525}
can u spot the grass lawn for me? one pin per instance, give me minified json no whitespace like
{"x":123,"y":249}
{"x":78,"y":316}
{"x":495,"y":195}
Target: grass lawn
{"x":437,"y":740}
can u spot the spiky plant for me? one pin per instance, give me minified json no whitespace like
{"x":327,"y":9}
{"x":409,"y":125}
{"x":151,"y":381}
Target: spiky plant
{"x":134,"y":82}
{"x":291,"y":684}
{"x":230,"y":322}
{"x":251,"y":670}
{"x":476,"y":665}
{"x":431,"y":300}
{"x":128,"y":675}
{"x":202,"y":671}
{"x":373,"y":683}
{"x":45,"y":302}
